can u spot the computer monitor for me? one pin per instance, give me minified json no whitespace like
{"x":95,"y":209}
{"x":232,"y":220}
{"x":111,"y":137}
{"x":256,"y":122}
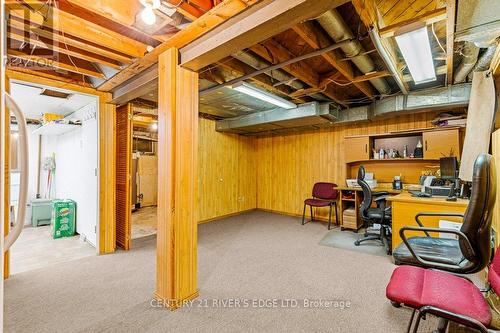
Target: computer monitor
{"x":449,"y":167}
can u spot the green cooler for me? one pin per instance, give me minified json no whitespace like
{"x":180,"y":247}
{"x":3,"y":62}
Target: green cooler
{"x":63,"y":218}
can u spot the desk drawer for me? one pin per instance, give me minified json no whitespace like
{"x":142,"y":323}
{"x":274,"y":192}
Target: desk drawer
{"x":350,"y":222}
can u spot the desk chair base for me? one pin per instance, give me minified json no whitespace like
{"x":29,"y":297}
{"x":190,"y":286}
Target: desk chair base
{"x":384,"y":236}
{"x":333,"y":204}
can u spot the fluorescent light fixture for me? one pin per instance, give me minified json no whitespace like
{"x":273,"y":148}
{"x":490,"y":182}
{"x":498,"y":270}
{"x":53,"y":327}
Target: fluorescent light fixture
{"x":263,"y":95}
{"x":416,"y":49}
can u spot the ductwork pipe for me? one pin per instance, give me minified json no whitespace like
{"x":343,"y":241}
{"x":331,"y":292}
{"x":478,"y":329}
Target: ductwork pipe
{"x":335,"y":26}
{"x":470,"y":53}
{"x":281,"y":76}
{"x":485,"y":60}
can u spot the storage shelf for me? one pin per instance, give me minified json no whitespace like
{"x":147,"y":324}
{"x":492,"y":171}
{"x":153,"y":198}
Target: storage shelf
{"x":55,"y":129}
{"x":396,"y":160}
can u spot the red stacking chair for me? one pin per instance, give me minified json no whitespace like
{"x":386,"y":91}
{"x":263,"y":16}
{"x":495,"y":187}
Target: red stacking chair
{"x":445,"y":295}
{"x":323,"y":195}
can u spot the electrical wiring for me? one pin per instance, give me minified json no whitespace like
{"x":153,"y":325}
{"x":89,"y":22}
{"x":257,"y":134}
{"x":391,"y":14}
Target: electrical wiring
{"x":171,"y":6}
{"x":437,"y":39}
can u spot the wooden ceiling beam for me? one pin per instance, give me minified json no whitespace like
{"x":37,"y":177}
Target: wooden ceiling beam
{"x":67,"y":23}
{"x":450,"y":38}
{"x":59,"y":63}
{"x":189,"y":11}
{"x":70,"y":51}
{"x":427,"y":18}
{"x":262,"y":21}
{"x":274,"y":53}
{"x":317,"y":40}
{"x":66,"y":40}
{"x":216,"y":16}
{"x":50,"y":75}
{"x":92,"y":11}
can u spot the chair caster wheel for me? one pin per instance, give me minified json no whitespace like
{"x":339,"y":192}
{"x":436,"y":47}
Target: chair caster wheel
{"x":357,"y":243}
{"x":395,"y":304}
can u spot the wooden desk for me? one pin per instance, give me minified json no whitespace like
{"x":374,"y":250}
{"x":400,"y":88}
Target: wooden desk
{"x":405,"y":207}
{"x":353,"y":220}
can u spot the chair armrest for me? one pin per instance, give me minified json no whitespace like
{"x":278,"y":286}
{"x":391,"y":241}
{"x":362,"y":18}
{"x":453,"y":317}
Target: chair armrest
{"x":381,"y":198}
{"x":428,"y":263}
{"x":417,"y":218}
{"x":376,"y":194}
{"x":474,"y":323}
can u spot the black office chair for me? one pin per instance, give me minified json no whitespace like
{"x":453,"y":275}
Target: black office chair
{"x":472,"y":251}
{"x":370,"y":215}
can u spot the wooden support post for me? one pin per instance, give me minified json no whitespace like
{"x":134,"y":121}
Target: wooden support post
{"x":176,"y":254}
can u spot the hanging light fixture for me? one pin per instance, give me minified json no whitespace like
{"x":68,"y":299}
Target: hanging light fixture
{"x":148,"y":15}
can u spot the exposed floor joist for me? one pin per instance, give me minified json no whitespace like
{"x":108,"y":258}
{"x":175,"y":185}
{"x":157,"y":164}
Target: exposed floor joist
{"x":450,"y":38}
{"x":70,"y":41}
{"x":262,"y":21}
{"x":427,"y":18}
{"x":318,"y":40}
{"x":216,"y":16}
{"x":73,"y":25}
{"x":61,"y":63}
{"x":68,"y":50}
{"x":273,"y":52}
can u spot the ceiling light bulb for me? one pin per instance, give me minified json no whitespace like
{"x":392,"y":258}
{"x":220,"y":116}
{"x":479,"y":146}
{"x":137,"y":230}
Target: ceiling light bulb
{"x":148,"y":15}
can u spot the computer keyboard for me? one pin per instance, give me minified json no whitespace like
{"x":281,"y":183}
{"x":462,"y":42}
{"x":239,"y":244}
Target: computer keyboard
{"x":420,"y":194}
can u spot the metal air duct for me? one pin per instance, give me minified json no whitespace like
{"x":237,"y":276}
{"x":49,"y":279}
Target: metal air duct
{"x":470,"y":54}
{"x":335,"y":26}
{"x":314,"y":115}
{"x":281,"y":76}
{"x":485,"y":60}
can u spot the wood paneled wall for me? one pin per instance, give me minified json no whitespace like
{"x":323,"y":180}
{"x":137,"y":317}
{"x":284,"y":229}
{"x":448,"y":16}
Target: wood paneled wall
{"x":289,"y":165}
{"x":227,"y":172}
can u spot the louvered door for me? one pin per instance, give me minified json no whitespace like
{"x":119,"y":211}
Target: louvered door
{"x":123,"y":162}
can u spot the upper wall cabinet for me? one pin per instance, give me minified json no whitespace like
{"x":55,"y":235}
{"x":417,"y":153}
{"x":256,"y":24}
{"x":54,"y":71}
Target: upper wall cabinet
{"x":357,"y":148}
{"x":439,"y":144}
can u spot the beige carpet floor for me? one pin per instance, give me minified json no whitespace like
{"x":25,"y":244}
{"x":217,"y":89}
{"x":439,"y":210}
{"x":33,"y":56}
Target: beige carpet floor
{"x":255,"y":256}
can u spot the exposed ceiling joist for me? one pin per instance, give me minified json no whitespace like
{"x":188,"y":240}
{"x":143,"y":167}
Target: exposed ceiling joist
{"x":274,"y":53}
{"x":262,"y":21}
{"x":367,"y":10}
{"x":55,"y":63}
{"x":95,"y":12}
{"x":216,"y":16}
{"x":450,"y":38}
{"x":61,"y":21}
{"x":70,"y":51}
{"x":76,"y":79}
{"x":66,"y":40}
{"x":427,"y":18}
{"x":263,"y":81}
{"x":316,"y":39}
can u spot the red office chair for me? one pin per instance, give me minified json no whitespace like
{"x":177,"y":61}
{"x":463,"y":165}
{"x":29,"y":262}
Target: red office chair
{"x":324,"y":195}
{"x":445,"y":295}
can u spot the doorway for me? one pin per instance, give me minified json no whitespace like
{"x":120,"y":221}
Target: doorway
{"x":62,"y":213}
{"x":136,"y":172}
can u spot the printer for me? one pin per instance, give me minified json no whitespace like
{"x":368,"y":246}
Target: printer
{"x":368,"y":179}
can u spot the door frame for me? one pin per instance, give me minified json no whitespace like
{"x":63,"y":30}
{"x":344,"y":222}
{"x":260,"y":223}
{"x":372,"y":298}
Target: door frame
{"x":106,"y":151}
